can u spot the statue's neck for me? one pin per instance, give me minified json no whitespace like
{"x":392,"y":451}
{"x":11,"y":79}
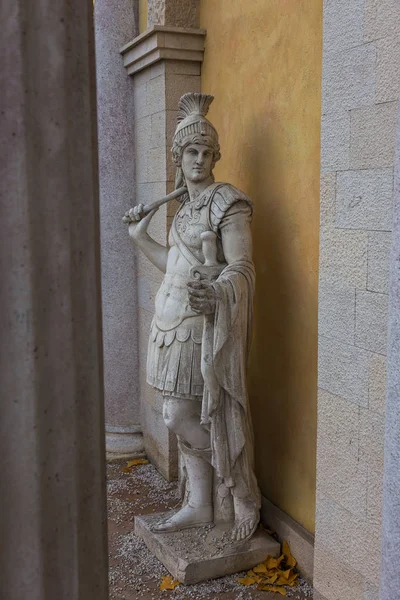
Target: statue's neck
{"x":196,"y":189}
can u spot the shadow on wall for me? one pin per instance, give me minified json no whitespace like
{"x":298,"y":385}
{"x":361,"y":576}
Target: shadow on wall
{"x":282,"y":357}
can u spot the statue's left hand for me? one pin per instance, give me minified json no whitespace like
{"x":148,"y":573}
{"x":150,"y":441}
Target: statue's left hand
{"x":202,"y":297}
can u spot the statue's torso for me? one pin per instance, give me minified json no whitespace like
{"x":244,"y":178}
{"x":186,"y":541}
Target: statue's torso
{"x":172,"y":303}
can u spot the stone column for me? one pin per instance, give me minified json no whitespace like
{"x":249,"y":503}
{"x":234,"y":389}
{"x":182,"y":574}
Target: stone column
{"x":115,"y":22}
{"x":53,"y":509}
{"x":165,"y":63}
{"x":390,"y":579}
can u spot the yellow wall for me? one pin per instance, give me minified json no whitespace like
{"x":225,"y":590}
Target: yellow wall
{"x":263,"y":65}
{"x":142,"y":15}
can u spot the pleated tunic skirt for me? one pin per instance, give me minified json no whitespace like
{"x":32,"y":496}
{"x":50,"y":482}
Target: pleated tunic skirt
{"x":174,"y":360}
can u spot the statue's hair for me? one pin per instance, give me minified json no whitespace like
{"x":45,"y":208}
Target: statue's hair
{"x":193,"y":103}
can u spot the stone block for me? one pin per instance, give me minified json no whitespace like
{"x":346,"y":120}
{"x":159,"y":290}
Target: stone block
{"x":156,"y":164}
{"x":334,"y":579}
{"x":343,"y":257}
{"x":182,"y":67}
{"x":327,"y":198}
{"x":349,"y":79}
{"x":379,"y":251}
{"x":387,"y":69}
{"x":178,"y":85}
{"x":350,"y":537}
{"x":371,"y":591}
{"x":374,"y":497}
{"x":377,"y":383}
{"x":373,"y":136}
{"x":140,"y":97}
{"x":371,"y":440}
{"x":335,"y":141}
{"x":338,"y":423}
{"x":364,"y":199}
{"x":203,"y":553}
{"x":160,"y":444}
{"x":156,"y":94}
{"x":343,"y":370}
{"x":342,"y":475}
{"x":343,"y":25}
{"x":336,"y":311}
{"x":382,"y":19}
{"x":158,"y":130}
{"x":371,"y":321}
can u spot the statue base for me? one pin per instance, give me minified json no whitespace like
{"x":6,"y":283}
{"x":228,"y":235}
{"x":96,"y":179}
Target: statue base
{"x":202,"y":553}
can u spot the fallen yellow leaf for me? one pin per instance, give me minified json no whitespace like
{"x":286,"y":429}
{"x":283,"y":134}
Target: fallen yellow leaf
{"x":273,"y":563}
{"x":126,"y":470}
{"x":247,"y":580}
{"x":167,"y":583}
{"x":271,"y":588}
{"x":137,"y":461}
{"x":289,"y":558}
{"x":261,"y":568}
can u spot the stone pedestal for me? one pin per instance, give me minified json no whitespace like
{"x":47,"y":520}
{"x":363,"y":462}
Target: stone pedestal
{"x":116,"y":21}
{"x":52,"y":477}
{"x":165,"y":64}
{"x":203,"y":553}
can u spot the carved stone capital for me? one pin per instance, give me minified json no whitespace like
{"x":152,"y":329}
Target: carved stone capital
{"x":163,"y":43}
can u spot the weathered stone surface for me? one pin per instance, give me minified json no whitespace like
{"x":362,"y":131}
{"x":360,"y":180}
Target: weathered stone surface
{"x":349,"y":79}
{"x":334,"y":579}
{"x":371,"y":321}
{"x":176,"y":13}
{"x":387,"y":71}
{"x":343,"y":370}
{"x":328,"y":198}
{"x":390,"y":581}
{"x":372,"y":136}
{"x":336,"y":314}
{"x":343,"y":257}
{"x":115,"y":22}
{"x":382,"y":19}
{"x":364,"y":199}
{"x":199,"y":554}
{"x":377,"y":383}
{"x":335,"y":141}
{"x":53,"y":502}
{"x":343,"y":25}
{"x":379,"y":248}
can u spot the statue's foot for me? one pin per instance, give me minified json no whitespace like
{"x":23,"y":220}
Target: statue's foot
{"x":247,"y":517}
{"x":186,"y":517}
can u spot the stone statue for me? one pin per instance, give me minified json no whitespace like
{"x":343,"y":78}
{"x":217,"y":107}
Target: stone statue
{"x":201,"y":330}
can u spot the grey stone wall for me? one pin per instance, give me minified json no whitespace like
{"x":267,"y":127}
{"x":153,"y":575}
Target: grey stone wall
{"x":361,"y":88}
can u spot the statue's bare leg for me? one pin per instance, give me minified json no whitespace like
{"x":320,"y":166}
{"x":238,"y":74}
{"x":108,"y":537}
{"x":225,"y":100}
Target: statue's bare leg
{"x":183,"y":418}
{"x":247,"y":516}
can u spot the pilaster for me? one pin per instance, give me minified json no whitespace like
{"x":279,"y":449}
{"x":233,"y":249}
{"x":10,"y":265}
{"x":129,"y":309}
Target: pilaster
{"x":164,"y":63}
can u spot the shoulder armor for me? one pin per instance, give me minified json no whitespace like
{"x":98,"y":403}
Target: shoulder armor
{"x":224,"y":197}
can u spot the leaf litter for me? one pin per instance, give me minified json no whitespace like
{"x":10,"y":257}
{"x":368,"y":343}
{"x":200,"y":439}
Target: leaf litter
{"x":134,"y":570}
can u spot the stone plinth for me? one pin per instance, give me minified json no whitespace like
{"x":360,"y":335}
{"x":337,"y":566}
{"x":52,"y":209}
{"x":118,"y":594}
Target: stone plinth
{"x":202,"y":553}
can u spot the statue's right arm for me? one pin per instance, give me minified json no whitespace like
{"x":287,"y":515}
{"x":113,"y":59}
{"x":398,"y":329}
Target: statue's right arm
{"x":155,"y":252}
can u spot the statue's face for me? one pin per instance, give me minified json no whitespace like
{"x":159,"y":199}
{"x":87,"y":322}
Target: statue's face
{"x":197,"y":162}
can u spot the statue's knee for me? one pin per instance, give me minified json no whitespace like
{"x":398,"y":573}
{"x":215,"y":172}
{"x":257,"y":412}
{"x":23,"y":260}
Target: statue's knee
{"x":171,"y":415}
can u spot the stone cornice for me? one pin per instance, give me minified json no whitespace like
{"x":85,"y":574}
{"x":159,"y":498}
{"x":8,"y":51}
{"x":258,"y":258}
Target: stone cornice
{"x":163,"y":43}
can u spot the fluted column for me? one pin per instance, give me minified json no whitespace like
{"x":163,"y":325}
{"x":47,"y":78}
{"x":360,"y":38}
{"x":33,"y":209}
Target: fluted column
{"x":115,"y":22}
{"x":390,"y":578}
{"x":52,"y":480}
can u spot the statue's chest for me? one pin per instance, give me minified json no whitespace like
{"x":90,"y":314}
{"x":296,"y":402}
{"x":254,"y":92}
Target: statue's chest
{"x":190,"y":223}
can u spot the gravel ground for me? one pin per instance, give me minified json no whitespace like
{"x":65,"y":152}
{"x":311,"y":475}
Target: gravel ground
{"x":134,"y":572}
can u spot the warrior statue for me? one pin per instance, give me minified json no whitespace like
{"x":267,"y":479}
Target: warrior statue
{"x":201,"y":330}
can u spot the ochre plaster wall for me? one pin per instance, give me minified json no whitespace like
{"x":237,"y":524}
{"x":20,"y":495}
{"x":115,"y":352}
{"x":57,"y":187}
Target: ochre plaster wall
{"x":142,"y":15}
{"x":263,"y":65}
